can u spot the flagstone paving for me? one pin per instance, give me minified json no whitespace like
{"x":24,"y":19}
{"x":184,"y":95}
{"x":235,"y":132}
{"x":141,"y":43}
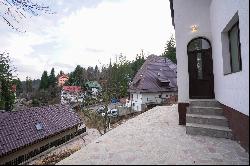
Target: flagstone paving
{"x":155,"y":137}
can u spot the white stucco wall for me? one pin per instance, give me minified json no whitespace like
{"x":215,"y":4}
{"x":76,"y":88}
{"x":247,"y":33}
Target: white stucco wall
{"x":136,"y":101}
{"x":67,"y":97}
{"x":232,"y":89}
{"x":151,"y":97}
{"x":212,"y":17}
{"x":144,"y":98}
{"x":186,"y":14}
{"x":154,"y":97}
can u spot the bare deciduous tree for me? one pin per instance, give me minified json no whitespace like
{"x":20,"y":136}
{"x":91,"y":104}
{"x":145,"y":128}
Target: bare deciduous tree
{"x":13,"y":12}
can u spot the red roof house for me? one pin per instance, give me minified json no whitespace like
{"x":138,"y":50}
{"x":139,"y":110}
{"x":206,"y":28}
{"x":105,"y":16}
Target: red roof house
{"x":72,"y":88}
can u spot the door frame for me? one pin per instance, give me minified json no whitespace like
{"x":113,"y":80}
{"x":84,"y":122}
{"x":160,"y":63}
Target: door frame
{"x":196,"y":51}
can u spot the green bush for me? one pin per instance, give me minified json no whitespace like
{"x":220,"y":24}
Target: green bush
{"x":35,"y":103}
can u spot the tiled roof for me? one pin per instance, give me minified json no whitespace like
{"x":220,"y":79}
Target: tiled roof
{"x":154,"y":75}
{"x":13,"y":88}
{"x":18,"y":129}
{"x":63,"y":75}
{"x":72,"y":88}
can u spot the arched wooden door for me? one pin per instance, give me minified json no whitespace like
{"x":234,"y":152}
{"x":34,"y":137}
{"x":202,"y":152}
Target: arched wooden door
{"x":200,"y":68}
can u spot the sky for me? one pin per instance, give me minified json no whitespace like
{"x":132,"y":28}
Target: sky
{"x":86,"y":33}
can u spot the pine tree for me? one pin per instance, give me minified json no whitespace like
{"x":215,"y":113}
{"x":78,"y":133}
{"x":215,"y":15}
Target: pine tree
{"x":96,"y":73}
{"x":61,"y":72}
{"x":44,"y":84}
{"x":28,"y":85}
{"x":170,"y":50}
{"x":136,"y":65}
{"x":77,"y":77}
{"x":90,"y":73}
{"x":52,"y":78}
{"x":19,"y":86}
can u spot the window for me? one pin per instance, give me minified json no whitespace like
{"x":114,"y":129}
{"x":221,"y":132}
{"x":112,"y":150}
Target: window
{"x":198,"y":44}
{"x":39,"y":126}
{"x":234,"y":48}
{"x":9,"y":163}
{"x":199,"y":66}
{"x":231,"y":47}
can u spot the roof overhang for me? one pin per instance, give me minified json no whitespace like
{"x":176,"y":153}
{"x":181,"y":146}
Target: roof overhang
{"x":172,"y":11}
{"x":152,"y":91}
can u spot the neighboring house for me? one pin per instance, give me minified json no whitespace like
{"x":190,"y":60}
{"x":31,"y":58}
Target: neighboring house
{"x":154,"y":83}
{"x":71,"y":94}
{"x":93,"y":87}
{"x":13,"y":89}
{"x":103,"y":82}
{"x":128,"y":103}
{"x":212,"y":48}
{"x":26,"y":133}
{"x":123,"y":101}
{"x":62,"y":79}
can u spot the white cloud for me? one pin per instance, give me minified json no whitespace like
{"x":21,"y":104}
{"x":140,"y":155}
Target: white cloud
{"x":91,"y":35}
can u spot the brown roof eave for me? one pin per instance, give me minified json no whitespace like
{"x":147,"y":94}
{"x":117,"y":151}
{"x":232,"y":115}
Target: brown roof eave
{"x":153,"y":91}
{"x":172,"y":11}
{"x":38,"y":140}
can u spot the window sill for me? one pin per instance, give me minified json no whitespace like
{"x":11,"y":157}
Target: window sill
{"x":225,"y":74}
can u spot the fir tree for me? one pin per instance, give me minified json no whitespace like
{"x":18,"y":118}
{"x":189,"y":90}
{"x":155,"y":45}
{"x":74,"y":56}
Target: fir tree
{"x":170,"y":50}
{"x":52,"y":78}
{"x":44,"y":84}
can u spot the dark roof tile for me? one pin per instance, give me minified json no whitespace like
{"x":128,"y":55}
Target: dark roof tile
{"x":18,"y":128}
{"x":149,"y":76}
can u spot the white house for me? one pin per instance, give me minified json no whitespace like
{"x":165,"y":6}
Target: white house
{"x":212,"y":48}
{"x":93,"y":87}
{"x":71,"y":94}
{"x":154,"y":83}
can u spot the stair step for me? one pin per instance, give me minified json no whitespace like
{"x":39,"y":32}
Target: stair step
{"x":209,"y":130}
{"x":205,"y":110}
{"x":207,"y":119}
{"x":207,"y":116}
{"x":204,"y":103}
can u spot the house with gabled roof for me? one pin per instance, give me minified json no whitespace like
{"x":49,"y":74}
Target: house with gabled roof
{"x":93,"y":87}
{"x":26,"y":133}
{"x":154,"y":83}
{"x":62,"y":78}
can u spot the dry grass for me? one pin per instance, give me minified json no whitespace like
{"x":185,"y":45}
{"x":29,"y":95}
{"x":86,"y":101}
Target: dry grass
{"x":55,"y":158}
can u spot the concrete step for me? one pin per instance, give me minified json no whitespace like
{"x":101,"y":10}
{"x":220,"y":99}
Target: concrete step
{"x":209,"y":130}
{"x":207,"y":119}
{"x":205,"y":110}
{"x":204,"y":103}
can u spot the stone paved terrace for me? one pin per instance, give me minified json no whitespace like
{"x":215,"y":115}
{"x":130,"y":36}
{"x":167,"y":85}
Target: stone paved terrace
{"x":155,"y":137}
